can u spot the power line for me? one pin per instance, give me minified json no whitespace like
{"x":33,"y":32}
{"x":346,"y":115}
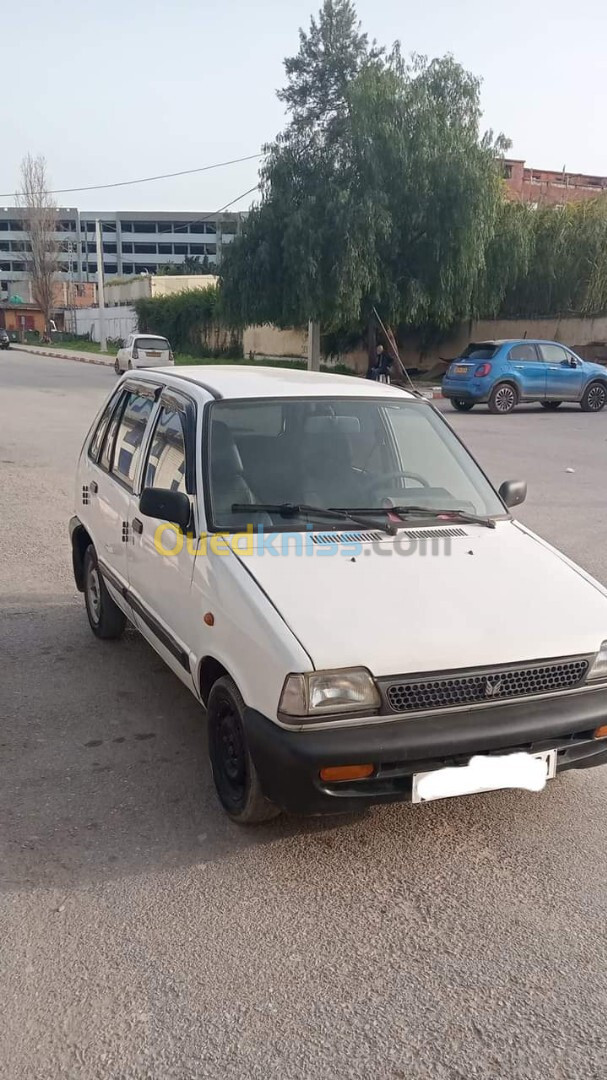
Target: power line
{"x":142,"y":180}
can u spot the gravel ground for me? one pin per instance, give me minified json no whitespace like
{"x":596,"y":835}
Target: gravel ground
{"x":145,"y":937}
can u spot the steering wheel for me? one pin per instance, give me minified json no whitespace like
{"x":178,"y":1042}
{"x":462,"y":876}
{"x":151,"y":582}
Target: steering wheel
{"x":381,"y":482}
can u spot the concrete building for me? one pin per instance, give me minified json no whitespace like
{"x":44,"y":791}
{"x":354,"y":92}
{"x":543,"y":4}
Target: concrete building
{"x":133,"y":242}
{"x":548,"y":186}
{"x":124,"y":291}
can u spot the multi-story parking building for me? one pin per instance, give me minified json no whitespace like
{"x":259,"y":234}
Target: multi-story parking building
{"x":133,"y":242}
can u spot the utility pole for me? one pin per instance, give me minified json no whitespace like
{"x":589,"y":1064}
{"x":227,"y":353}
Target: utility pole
{"x":100,"y":296}
{"x":313,"y":345}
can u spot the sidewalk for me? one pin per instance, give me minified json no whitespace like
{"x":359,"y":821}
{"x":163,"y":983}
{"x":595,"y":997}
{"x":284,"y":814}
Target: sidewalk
{"x":69,"y":354}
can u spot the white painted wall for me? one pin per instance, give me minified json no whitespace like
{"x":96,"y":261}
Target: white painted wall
{"x":119,"y":322}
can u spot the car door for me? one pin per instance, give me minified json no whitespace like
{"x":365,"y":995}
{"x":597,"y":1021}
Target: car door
{"x":530,"y":370}
{"x":564,"y":373}
{"x":161,"y":560}
{"x":112,"y":476}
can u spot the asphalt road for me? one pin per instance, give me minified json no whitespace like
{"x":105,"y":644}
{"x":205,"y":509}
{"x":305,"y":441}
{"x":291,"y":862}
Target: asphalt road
{"x":145,"y":937}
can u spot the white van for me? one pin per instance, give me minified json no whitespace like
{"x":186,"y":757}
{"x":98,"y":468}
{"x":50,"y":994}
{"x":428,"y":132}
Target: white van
{"x":324,"y":565}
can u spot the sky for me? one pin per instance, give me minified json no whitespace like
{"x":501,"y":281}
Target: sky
{"x":124,"y":89}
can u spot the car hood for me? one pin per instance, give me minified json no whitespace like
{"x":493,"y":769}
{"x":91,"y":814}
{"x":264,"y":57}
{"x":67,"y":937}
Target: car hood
{"x":487,"y":596}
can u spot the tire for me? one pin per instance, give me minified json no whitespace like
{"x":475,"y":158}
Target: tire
{"x":234,"y":774}
{"x":106,"y":619}
{"x":552,"y":405}
{"x":503,"y":398}
{"x":461,"y":405}
{"x":117,"y":367}
{"x":594,"y":397}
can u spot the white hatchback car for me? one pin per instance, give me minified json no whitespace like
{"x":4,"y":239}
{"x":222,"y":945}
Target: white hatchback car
{"x":143,"y":351}
{"x":324,"y":565}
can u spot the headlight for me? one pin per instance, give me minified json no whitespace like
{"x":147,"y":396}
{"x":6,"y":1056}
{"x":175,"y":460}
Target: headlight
{"x":598,"y":669}
{"x":320,"y":692}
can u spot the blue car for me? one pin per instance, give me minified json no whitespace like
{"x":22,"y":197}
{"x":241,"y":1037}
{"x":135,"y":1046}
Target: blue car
{"x":503,"y":373}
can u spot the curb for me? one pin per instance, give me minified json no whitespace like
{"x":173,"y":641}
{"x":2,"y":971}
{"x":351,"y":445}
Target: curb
{"x":99,"y":361}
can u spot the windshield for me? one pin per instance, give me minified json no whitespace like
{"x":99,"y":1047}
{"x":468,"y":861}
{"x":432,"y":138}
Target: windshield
{"x":157,"y":344}
{"x":335,"y":453}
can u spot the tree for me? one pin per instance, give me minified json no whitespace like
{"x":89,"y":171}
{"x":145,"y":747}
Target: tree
{"x":380,"y":191}
{"x":192,"y":264}
{"x":40,"y":227}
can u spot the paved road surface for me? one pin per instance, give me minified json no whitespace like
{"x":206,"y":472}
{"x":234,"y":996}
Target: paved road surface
{"x":142,"y":935}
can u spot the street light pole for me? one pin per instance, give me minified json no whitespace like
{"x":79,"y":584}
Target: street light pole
{"x":100,"y":295}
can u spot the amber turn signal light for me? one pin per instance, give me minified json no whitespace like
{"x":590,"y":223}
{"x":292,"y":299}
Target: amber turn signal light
{"x":346,"y":772}
{"x":601,"y":732}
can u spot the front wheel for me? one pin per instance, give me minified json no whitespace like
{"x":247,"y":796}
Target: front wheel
{"x":117,"y":367}
{"x":503,"y":398}
{"x":105,"y":617}
{"x":236,"y":780}
{"x":551,"y":405}
{"x":594,"y":397}
{"x":461,"y":405}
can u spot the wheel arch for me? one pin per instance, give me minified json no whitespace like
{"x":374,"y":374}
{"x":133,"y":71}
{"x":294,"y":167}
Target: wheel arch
{"x":209,"y":671}
{"x":81,"y":539}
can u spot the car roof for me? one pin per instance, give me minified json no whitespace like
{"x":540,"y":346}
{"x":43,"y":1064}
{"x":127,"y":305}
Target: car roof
{"x":161,"y":336}
{"x":243,"y":381}
{"x":517,"y":341}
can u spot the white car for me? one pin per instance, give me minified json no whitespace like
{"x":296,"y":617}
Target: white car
{"x":321,"y":561}
{"x":144,"y":351}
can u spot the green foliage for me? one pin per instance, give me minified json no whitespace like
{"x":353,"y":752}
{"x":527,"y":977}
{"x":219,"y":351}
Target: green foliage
{"x":190,"y":320}
{"x":192,"y":264}
{"x":379,"y":191}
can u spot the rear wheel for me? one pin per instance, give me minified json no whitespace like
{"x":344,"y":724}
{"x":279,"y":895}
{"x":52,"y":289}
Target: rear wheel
{"x":503,"y":398}
{"x":105,"y":617}
{"x":117,"y":367}
{"x":461,"y":405}
{"x":236,"y":780}
{"x":550,"y":405}
{"x":594,"y":397}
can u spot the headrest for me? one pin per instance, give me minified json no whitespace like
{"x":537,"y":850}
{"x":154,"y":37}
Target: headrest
{"x":225,"y":456}
{"x":328,"y":425}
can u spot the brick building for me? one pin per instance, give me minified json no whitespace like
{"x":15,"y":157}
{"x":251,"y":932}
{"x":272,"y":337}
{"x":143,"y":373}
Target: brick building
{"x":547,"y":186}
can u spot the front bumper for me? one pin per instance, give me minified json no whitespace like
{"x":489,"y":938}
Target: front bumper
{"x":289,"y":762}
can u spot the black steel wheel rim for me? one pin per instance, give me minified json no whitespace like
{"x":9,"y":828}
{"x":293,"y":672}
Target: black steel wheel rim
{"x":229,"y":756}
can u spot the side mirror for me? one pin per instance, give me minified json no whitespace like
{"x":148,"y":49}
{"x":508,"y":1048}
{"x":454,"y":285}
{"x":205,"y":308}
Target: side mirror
{"x":513,"y":492}
{"x":173,"y":506}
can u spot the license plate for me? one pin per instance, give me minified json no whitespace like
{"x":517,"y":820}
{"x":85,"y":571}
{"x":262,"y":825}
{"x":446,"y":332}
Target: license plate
{"x":526,"y":772}
{"x":152,"y":354}
{"x":461,"y":369}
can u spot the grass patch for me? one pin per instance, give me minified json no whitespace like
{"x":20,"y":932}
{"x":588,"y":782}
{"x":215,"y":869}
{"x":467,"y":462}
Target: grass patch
{"x":76,"y":346}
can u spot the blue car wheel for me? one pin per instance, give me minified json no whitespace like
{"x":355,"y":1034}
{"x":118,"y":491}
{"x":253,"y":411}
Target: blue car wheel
{"x":502,"y":398}
{"x":594,"y":397}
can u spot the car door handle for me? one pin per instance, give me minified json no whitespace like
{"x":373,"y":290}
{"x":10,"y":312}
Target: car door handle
{"x":94,"y":487}
{"x":137,"y":525}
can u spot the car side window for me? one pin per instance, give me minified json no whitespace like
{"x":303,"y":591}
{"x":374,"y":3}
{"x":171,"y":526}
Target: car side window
{"x":524,"y":352}
{"x":129,"y":437}
{"x":554,"y":354}
{"x":166,"y":464}
{"x":98,"y":436}
{"x":109,"y":439}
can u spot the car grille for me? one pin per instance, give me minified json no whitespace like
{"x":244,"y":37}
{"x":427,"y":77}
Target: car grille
{"x":495,"y":684}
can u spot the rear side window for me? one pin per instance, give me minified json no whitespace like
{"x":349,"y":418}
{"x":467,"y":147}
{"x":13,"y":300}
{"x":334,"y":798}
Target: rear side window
{"x":482,"y":351}
{"x":166,"y":464}
{"x":97,"y":440}
{"x":129,"y":438}
{"x":525,"y":352}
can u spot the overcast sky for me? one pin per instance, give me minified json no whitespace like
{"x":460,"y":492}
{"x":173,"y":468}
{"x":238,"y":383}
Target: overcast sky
{"x":120,"y":89}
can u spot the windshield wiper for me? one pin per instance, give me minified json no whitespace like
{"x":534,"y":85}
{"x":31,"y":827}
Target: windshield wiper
{"x":456,"y":515}
{"x":288,"y":510}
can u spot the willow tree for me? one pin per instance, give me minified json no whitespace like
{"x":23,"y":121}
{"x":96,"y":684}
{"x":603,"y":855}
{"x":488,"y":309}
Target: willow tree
{"x":40,"y":228}
{"x":379,"y":192}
